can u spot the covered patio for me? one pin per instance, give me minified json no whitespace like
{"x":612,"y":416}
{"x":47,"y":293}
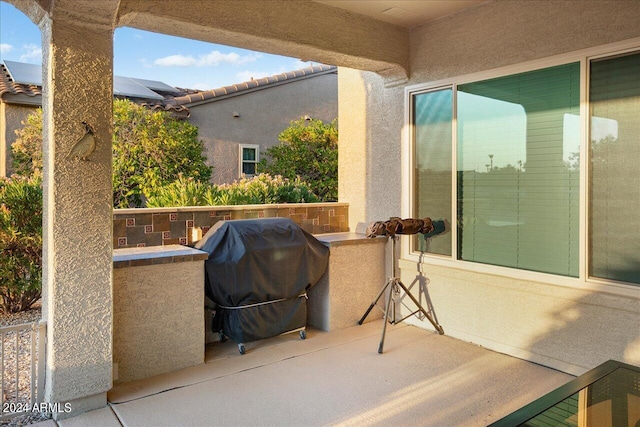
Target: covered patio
{"x":515,"y":319}
{"x":337,"y":378}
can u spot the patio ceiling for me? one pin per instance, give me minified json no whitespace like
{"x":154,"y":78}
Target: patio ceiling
{"x":371,"y":36}
{"x":407,"y":13}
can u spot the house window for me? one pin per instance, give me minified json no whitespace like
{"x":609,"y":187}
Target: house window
{"x":517,"y":143}
{"x":433,"y":114}
{"x":248,"y":159}
{"x":518,"y":192}
{"x":614,"y":178}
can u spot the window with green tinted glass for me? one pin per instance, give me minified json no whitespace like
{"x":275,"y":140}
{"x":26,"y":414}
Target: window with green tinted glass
{"x":432,"y":118}
{"x":518,"y":144}
{"x":515,"y":143}
{"x":614,"y":177}
{"x":248,"y":159}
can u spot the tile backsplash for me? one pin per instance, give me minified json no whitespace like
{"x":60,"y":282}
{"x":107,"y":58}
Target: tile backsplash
{"x":184,"y":226}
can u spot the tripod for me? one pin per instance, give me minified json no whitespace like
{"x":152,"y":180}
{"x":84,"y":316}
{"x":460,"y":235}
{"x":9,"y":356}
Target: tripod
{"x":395,"y":284}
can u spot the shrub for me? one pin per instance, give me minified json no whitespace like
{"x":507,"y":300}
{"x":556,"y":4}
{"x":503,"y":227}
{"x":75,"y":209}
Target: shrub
{"x":308,"y":150}
{"x":260,"y":189}
{"x":182,"y":192}
{"x":20,"y":242}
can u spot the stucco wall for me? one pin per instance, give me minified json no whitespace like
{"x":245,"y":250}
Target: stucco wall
{"x":355,"y":274}
{"x":571,"y":330}
{"x":158,"y":318}
{"x":264,"y":114}
{"x":565,"y":328}
{"x":369,"y":177}
{"x":11,"y":118}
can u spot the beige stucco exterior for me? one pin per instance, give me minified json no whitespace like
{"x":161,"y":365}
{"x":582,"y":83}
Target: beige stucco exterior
{"x":570,"y":326}
{"x":11,"y":118}
{"x":158,"y":311}
{"x":262,"y":115}
{"x":355,"y":274}
{"x":253,"y":117}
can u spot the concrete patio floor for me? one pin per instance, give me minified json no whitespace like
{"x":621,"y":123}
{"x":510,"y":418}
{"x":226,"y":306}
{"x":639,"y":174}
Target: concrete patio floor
{"x":337,"y":378}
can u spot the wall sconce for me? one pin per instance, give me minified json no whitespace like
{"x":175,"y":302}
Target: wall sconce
{"x":236,"y":114}
{"x":307,"y":117}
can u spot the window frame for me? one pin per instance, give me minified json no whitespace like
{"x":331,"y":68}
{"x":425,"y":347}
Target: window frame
{"x":408,"y":208}
{"x":241,"y":162}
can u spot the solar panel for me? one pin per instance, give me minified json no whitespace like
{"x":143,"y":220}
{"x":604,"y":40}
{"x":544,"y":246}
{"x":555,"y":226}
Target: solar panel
{"x":124,"y":86}
{"x":26,"y":74}
{"x":156,"y":85}
{"x":31,"y":74}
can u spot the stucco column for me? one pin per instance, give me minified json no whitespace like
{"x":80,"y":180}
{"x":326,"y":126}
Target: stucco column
{"x":370,"y":116}
{"x":352,"y":146}
{"x":77,"y":265}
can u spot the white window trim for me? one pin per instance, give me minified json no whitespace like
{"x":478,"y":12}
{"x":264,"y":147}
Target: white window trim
{"x":241,"y":162}
{"x":584,"y":281}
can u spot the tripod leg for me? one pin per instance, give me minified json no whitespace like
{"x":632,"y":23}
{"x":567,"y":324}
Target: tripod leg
{"x":421,"y":309}
{"x":373,"y":304}
{"x":386,"y":320}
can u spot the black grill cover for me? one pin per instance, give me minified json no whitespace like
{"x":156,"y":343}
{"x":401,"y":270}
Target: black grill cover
{"x":253,"y":262}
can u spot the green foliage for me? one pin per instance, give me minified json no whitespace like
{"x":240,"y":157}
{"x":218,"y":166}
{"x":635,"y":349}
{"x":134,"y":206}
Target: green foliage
{"x":308,"y":150}
{"x":151,"y":150}
{"x":26,"y":150}
{"x":20,"y":242}
{"x":260,"y":189}
{"x":185,"y":191}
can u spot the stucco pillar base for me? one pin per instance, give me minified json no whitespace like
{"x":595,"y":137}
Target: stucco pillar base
{"x":79,"y":406}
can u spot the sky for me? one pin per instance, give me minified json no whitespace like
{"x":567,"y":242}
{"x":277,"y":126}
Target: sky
{"x":175,"y":61}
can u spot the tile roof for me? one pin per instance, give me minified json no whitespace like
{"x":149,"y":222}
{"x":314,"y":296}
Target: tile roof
{"x":197,"y":97}
{"x":17,"y":91}
{"x":7,"y":86}
{"x":178,"y":102}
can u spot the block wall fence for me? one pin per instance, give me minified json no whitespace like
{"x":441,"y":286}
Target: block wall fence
{"x":185,"y":225}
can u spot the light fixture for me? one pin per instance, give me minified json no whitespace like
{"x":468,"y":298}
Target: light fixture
{"x":307,"y":117}
{"x":236,"y":114}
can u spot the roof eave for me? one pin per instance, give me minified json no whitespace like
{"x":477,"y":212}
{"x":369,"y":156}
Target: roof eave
{"x":269,"y":85}
{"x":22,"y":99}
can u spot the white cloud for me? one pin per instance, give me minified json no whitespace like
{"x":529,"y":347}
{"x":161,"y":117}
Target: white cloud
{"x":5,"y":48}
{"x":31,"y":52}
{"x":213,"y":58}
{"x":144,"y":62}
{"x":176,"y":61}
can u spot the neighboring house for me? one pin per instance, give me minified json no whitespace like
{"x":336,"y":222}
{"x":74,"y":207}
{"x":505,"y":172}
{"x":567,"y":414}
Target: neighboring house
{"x":21,"y":94}
{"x":239,"y":122}
{"x":17,"y":101}
{"x":236,"y":123}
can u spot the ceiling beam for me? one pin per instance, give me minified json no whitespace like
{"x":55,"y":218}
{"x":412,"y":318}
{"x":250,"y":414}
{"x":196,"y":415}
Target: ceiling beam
{"x":297,"y":28}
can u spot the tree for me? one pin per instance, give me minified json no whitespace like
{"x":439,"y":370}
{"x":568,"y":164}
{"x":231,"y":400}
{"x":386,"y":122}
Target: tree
{"x":151,"y":150}
{"x":26,"y":150}
{"x":307,"y":150}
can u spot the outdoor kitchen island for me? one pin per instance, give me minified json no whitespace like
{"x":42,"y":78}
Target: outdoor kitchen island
{"x":158,"y":295}
{"x":158,"y":314}
{"x":355,"y":275}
